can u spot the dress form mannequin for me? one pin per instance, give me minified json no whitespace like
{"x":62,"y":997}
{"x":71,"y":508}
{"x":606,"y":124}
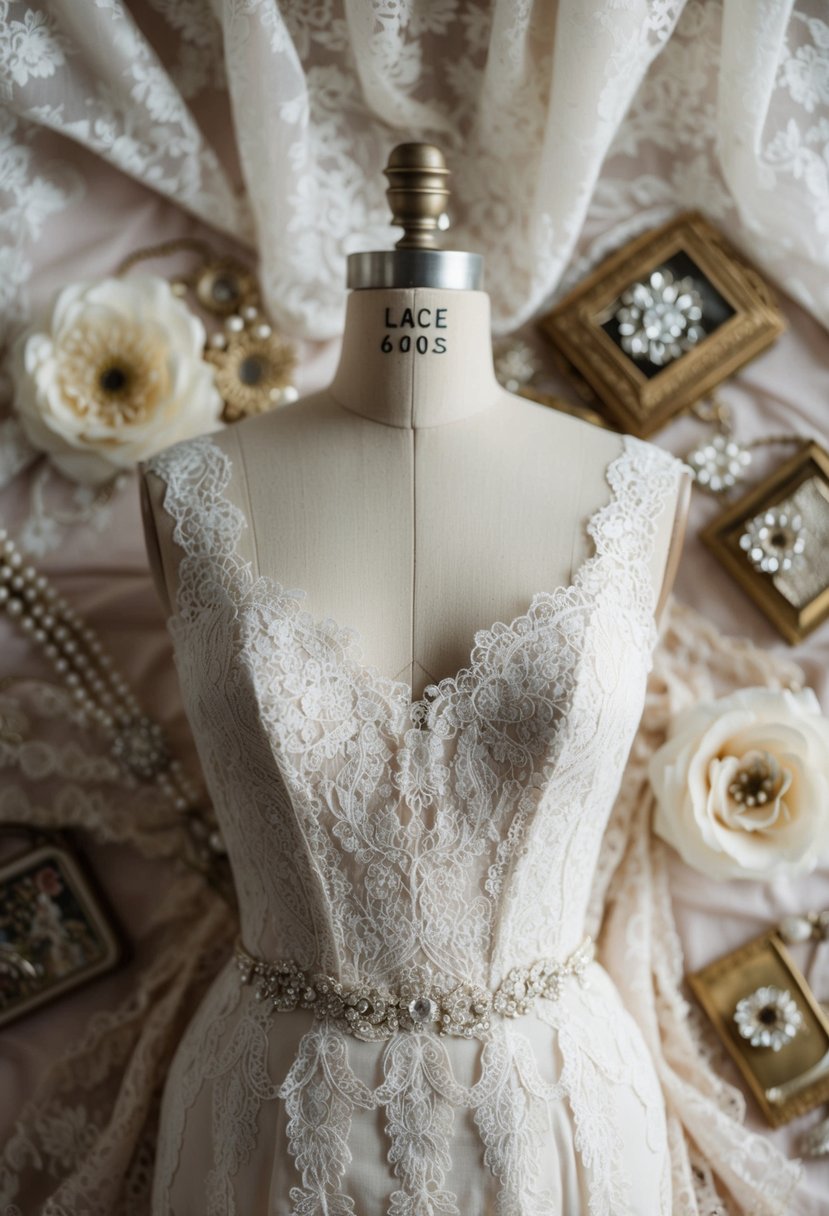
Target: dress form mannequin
{"x":396,"y":862}
{"x":415,"y":499}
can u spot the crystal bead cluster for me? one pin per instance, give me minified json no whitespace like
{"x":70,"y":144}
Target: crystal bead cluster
{"x":659,"y":319}
{"x":774,"y":540}
{"x":719,"y":463}
{"x":103,"y":698}
{"x":369,"y":1013}
{"x":769,"y":1017}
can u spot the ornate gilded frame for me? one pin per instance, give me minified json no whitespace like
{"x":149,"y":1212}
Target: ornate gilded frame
{"x":640,"y":405}
{"x":721,"y":537}
{"x":795,"y":1079}
{"x":77,"y":939}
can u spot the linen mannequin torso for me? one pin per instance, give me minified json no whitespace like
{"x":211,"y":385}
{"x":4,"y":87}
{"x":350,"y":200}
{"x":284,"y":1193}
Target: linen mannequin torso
{"x":415,"y":499}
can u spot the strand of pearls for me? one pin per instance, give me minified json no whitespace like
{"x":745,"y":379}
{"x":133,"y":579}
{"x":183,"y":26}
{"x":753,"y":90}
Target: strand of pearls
{"x":103,"y":698}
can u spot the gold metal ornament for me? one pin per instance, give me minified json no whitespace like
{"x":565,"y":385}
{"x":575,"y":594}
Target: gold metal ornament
{"x":57,"y":930}
{"x":662,"y":322}
{"x":253,"y":364}
{"x":417,"y":193}
{"x":225,"y":287}
{"x":774,"y":541}
{"x":771,"y":1024}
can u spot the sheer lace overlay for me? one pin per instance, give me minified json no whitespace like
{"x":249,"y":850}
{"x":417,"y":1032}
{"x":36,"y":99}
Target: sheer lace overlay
{"x":377,"y":838}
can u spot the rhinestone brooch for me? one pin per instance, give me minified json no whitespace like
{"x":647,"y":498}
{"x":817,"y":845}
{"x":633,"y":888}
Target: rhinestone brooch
{"x":719,"y":463}
{"x":370,"y":1013}
{"x":774,"y":540}
{"x":769,"y":1017}
{"x":659,"y":319}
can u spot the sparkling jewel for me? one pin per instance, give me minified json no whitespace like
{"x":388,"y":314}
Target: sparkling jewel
{"x":141,"y":747}
{"x":719,"y":464}
{"x":370,"y":1014}
{"x":774,"y":540}
{"x":768,"y":1018}
{"x":422,"y":1009}
{"x":659,"y":319}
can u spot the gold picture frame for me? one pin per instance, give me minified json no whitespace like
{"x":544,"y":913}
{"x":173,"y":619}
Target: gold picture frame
{"x":796,"y":604}
{"x":740,"y":318}
{"x":56,"y":931}
{"x":795,"y":1079}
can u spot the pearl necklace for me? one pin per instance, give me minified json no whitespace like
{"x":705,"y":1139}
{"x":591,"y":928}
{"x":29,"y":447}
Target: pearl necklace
{"x":102,"y":696}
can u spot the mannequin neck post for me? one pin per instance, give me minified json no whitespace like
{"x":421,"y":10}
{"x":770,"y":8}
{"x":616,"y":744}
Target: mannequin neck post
{"x":416,"y":357}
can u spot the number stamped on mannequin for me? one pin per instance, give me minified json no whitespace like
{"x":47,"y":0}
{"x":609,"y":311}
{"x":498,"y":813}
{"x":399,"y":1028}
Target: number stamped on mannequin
{"x":415,"y":331}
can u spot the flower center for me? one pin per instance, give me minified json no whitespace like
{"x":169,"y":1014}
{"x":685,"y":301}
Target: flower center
{"x":124,"y":391}
{"x":113,"y":375}
{"x":759,"y":780}
{"x":114,"y":379}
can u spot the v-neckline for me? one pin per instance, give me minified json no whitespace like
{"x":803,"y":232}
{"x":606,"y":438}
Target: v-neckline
{"x":350,"y":642}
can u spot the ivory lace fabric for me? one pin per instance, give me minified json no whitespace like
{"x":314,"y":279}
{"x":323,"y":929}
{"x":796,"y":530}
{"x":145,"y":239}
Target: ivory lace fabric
{"x":463,"y":835}
{"x":568,"y":126}
{"x":87,"y":1144}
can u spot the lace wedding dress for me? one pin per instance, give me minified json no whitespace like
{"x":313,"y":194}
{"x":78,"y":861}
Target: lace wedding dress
{"x":418,"y":847}
{"x":369,"y":838}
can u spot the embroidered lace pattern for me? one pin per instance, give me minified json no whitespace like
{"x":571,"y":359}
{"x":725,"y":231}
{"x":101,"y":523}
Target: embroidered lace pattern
{"x":375,"y":838}
{"x":84,"y":1144}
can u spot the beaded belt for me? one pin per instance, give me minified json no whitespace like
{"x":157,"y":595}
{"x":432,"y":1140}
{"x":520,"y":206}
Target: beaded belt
{"x":369,"y":1013}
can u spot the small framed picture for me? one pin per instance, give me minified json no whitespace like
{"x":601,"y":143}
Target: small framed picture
{"x":771,"y":1025}
{"x":662,"y":322}
{"x":55,"y":930}
{"x":775,"y":542}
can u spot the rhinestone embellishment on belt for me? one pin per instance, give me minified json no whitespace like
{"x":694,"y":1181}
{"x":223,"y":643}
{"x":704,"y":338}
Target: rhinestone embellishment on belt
{"x":369,"y":1013}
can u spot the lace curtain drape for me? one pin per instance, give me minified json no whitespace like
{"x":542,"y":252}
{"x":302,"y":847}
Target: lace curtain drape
{"x":568,"y":126}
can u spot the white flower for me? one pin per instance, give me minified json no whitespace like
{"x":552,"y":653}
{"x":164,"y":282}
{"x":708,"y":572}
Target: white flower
{"x":114,"y":374}
{"x":742,"y":784}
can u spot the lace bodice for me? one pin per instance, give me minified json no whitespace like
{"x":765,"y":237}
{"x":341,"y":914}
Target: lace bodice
{"x":370,"y":834}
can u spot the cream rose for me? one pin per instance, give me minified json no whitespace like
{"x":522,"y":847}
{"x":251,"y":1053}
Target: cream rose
{"x":113,"y":374}
{"x":742,"y":784}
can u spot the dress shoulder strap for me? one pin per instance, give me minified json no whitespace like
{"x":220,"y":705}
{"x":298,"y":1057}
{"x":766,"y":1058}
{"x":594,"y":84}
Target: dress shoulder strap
{"x":206,"y":524}
{"x":644,"y":479}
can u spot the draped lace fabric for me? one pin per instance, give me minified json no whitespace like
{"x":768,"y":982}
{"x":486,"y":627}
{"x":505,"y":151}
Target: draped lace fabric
{"x":568,"y":126}
{"x":85,"y":1145}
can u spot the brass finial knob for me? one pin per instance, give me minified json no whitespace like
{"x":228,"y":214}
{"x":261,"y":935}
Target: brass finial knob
{"x":417,"y":193}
